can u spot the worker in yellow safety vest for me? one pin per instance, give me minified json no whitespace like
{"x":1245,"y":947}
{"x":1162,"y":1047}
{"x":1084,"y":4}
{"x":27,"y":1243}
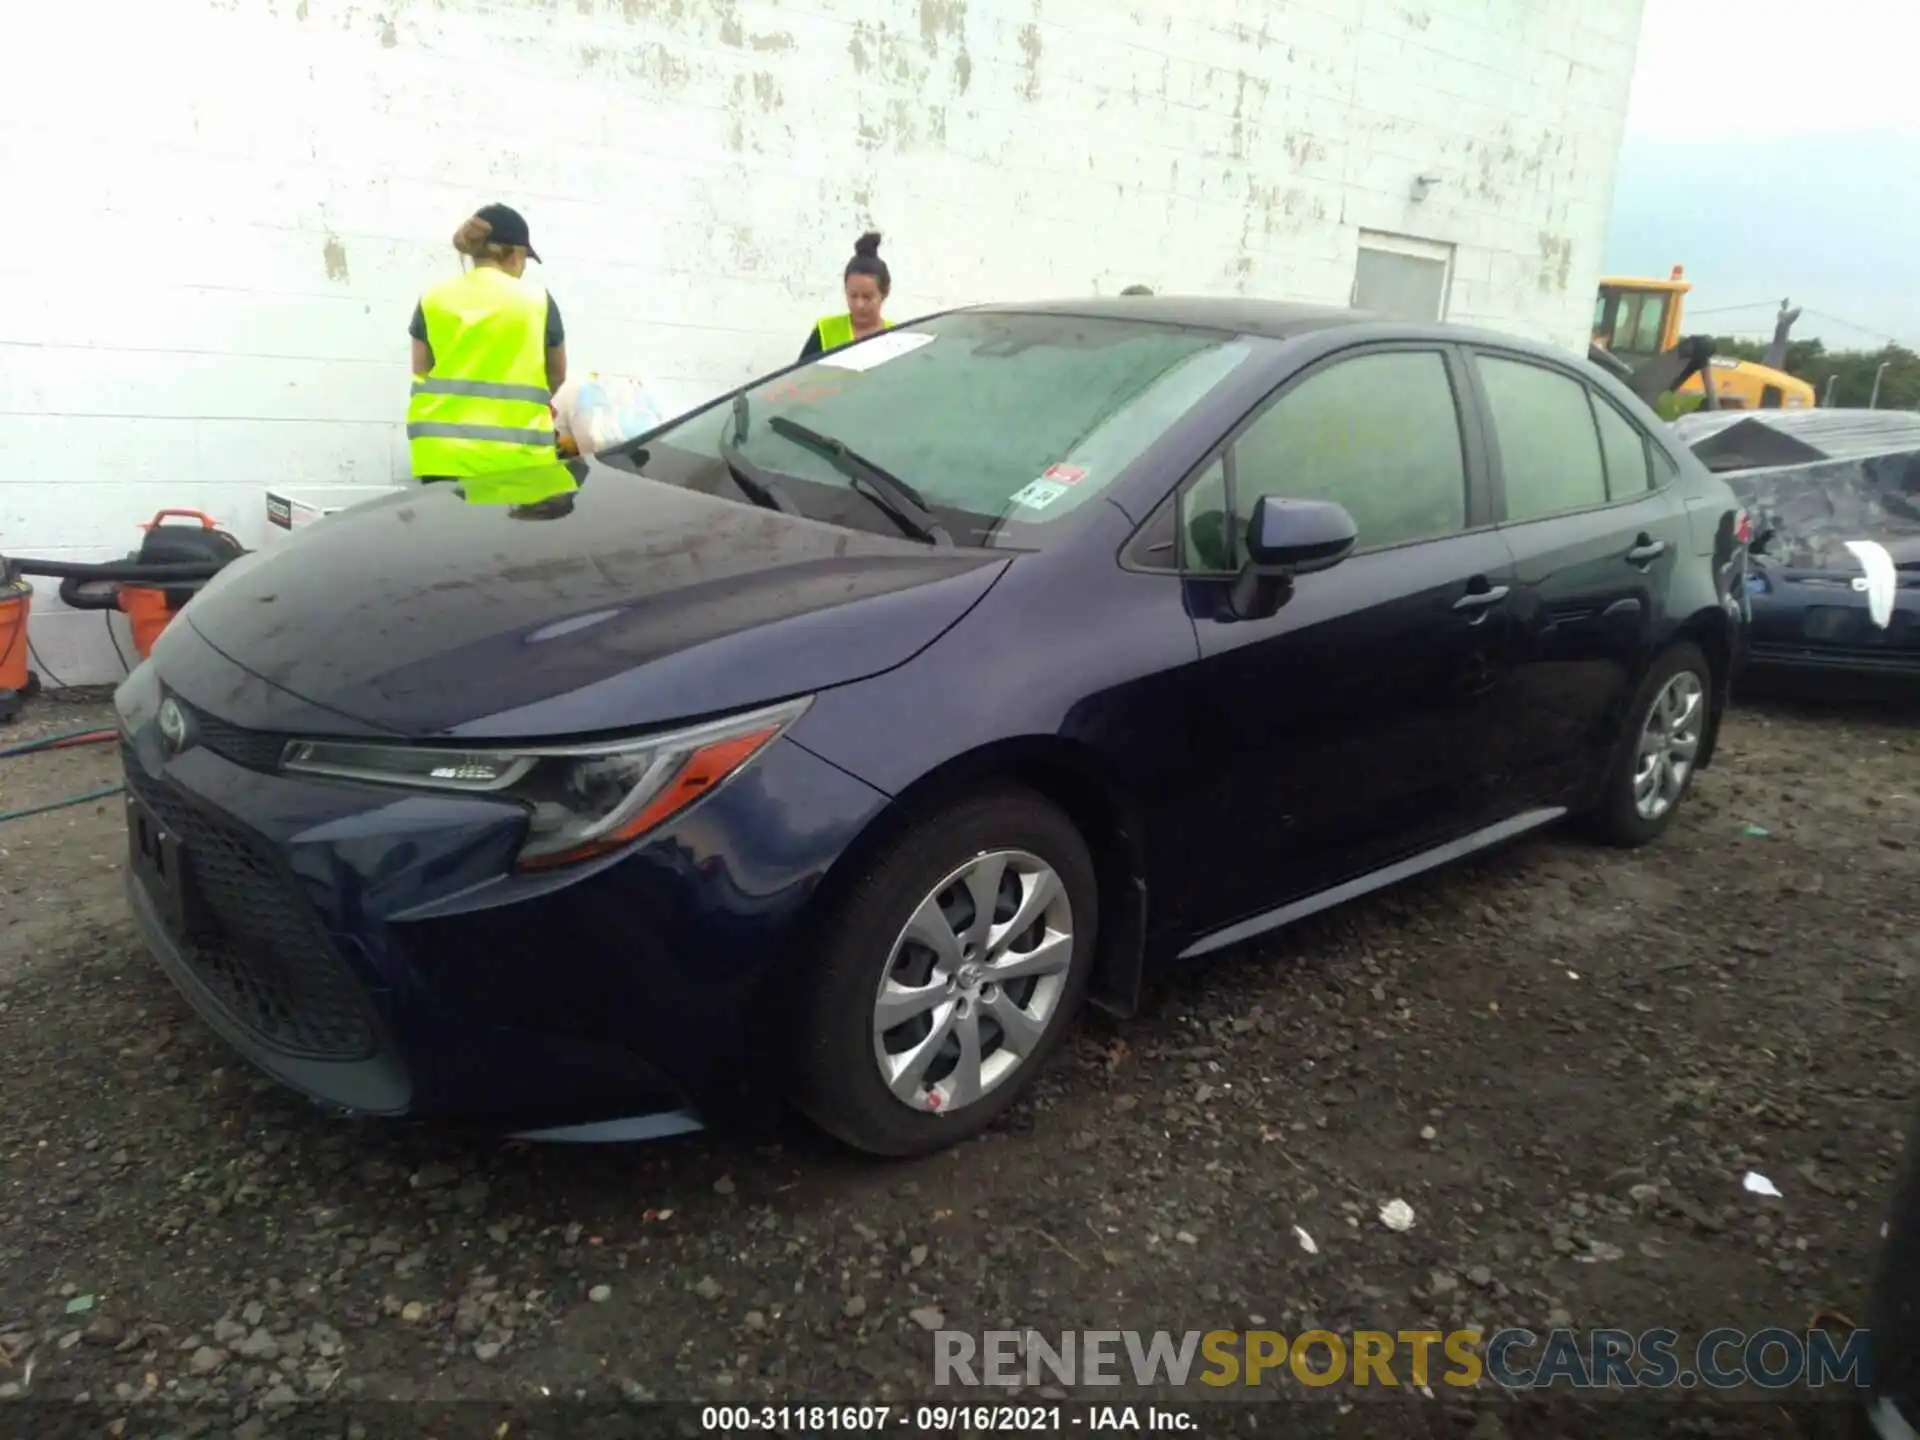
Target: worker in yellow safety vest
{"x":867,"y":285}
{"x":489,"y":350}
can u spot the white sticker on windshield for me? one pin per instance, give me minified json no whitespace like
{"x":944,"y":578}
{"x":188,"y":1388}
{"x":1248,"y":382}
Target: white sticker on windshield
{"x":877,"y":351}
{"x":1040,"y":494}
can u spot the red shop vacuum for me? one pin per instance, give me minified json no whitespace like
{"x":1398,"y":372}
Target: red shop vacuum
{"x":150,"y":586}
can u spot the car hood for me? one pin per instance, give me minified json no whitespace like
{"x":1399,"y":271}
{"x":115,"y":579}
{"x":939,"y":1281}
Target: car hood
{"x":572,"y":600}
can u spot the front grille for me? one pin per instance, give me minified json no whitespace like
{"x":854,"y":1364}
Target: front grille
{"x":251,"y":749}
{"x":263,"y":953}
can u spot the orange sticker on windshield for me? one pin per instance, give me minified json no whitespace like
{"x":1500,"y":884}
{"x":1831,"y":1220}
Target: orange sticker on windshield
{"x":805,"y":393}
{"x":1064,"y":474}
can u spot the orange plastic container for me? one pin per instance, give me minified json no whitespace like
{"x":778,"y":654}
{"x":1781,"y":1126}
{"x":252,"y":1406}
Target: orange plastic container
{"x":150,"y":608}
{"x":16,"y":601}
{"x":147,"y":612}
{"x":207,"y":522}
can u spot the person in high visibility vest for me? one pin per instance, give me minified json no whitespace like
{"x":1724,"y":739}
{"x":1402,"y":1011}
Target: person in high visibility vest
{"x":866,"y":284}
{"x":489,"y":350}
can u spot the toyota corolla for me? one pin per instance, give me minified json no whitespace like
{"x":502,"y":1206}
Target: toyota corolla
{"x":834,"y":743}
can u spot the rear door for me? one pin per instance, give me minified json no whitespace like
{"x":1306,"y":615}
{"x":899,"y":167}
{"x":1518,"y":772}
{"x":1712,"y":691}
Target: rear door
{"x":1347,"y":729}
{"x":1596,"y":532}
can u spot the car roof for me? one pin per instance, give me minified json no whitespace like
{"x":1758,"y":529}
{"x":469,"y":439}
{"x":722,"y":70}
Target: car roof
{"x":1810,"y":436}
{"x":1270,"y":319}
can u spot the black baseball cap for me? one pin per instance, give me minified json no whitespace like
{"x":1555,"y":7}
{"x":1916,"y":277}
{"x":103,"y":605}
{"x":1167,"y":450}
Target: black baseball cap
{"x":509,"y":227}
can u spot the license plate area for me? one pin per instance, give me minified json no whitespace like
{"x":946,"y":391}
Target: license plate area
{"x":165,"y":871}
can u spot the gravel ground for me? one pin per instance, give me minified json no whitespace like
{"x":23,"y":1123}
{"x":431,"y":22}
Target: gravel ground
{"x":1563,"y":1059}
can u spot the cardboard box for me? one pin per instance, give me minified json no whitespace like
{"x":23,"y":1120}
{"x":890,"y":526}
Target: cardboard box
{"x":291,"y":506}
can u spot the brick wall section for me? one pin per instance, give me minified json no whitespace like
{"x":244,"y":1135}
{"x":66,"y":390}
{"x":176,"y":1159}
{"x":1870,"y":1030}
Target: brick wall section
{"x":216,"y":239}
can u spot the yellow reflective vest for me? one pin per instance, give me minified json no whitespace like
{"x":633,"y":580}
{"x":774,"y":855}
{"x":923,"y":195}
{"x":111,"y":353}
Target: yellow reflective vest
{"x":837,"y":330}
{"x":484,"y":405}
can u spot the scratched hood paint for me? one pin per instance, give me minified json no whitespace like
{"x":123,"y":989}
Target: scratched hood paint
{"x":557,"y":611}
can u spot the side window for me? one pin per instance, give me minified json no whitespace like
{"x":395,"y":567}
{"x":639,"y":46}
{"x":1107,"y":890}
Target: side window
{"x":1207,"y":541}
{"x":1625,"y":449}
{"x":1378,"y":434}
{"x":1549,"y":450}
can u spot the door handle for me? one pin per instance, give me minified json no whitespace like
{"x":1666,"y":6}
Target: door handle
{"x":1646,"y":550}
{"x":1480,"y":599}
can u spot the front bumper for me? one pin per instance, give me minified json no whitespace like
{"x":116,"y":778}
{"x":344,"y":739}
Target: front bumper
{"x":373,"y":950}
{"x":374,"y":1082}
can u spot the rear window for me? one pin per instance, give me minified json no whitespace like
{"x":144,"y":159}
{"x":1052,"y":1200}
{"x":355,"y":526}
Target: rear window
{"x":1004,"y":424}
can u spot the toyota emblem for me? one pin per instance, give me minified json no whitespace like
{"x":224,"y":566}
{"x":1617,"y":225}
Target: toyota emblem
{"x":173,"y":725}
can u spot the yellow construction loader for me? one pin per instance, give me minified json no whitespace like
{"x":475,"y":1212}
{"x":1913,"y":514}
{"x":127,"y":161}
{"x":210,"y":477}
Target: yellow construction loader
{"x":1637,"y":322}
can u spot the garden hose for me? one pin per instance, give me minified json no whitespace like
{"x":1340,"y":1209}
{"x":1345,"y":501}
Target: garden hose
{"x":65,"y":740}
{"x":101,"y":794}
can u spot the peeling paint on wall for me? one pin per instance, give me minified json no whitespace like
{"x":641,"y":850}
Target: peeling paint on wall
{"x":940,"y":19}
{"x":1030,"y":52}
{"x":335,"y":255}
{"x":661,"y":67}
{"x":1242,"y":120}
{"x":880,"y":49}
{"x":1556,"y":262}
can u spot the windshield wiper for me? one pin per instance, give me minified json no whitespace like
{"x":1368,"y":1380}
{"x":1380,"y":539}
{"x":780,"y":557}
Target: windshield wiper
{"x":900,"y":500}
{"x":754,"y":483}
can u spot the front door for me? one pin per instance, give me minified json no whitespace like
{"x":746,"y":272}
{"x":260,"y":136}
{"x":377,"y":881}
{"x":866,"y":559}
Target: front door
{"x":1346,"y":730}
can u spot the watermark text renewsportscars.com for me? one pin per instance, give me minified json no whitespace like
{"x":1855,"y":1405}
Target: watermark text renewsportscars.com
{"x":1511,"y":1359}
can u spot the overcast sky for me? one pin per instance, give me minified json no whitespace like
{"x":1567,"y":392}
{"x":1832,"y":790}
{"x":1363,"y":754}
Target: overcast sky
{"x":1773,"y":148}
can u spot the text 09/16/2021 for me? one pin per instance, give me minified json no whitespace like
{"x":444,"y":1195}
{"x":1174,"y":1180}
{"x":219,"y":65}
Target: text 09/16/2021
{"x":938,"y":1419}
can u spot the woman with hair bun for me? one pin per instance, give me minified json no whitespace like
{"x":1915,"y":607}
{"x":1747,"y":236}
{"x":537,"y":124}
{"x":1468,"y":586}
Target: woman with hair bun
{"x":488,"y":352}
{"x":866,"y":283}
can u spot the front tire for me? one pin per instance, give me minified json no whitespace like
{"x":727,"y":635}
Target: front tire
{"x":948,"y":975}
{"x":1659,"y":750}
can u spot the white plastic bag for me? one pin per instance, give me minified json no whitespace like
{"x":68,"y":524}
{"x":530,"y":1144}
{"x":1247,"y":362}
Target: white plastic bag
{"x":595,"y":412}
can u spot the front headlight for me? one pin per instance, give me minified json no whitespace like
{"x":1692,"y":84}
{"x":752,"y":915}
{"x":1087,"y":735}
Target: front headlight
{"x":582,"y":800}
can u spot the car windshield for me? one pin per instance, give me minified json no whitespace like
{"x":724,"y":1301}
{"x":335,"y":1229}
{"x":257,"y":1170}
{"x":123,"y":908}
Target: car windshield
{"x":978,"y":428}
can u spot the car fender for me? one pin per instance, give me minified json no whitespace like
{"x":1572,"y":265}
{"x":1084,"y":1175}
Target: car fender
{"x":1101,"y":805}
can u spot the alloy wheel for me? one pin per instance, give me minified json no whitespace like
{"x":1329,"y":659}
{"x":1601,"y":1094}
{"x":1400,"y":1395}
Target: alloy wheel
{"x":973,"y":982}
{"x":1669,"y":741}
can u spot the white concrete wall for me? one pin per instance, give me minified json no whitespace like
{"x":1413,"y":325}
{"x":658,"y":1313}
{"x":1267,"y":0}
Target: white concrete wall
{"x":220,"y":212}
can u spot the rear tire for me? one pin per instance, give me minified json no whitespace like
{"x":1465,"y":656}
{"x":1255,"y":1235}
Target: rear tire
{"x":1658,"y":751}
{"x":977,"y":1007}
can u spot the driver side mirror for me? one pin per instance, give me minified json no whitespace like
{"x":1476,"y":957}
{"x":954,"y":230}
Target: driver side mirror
{"x":1762,"y":538}
{"x":1286,"y":538}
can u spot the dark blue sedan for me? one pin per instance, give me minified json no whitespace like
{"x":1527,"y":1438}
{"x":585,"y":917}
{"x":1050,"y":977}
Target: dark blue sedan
{"x":1834,"y":563}
{"x":834,"y":743}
